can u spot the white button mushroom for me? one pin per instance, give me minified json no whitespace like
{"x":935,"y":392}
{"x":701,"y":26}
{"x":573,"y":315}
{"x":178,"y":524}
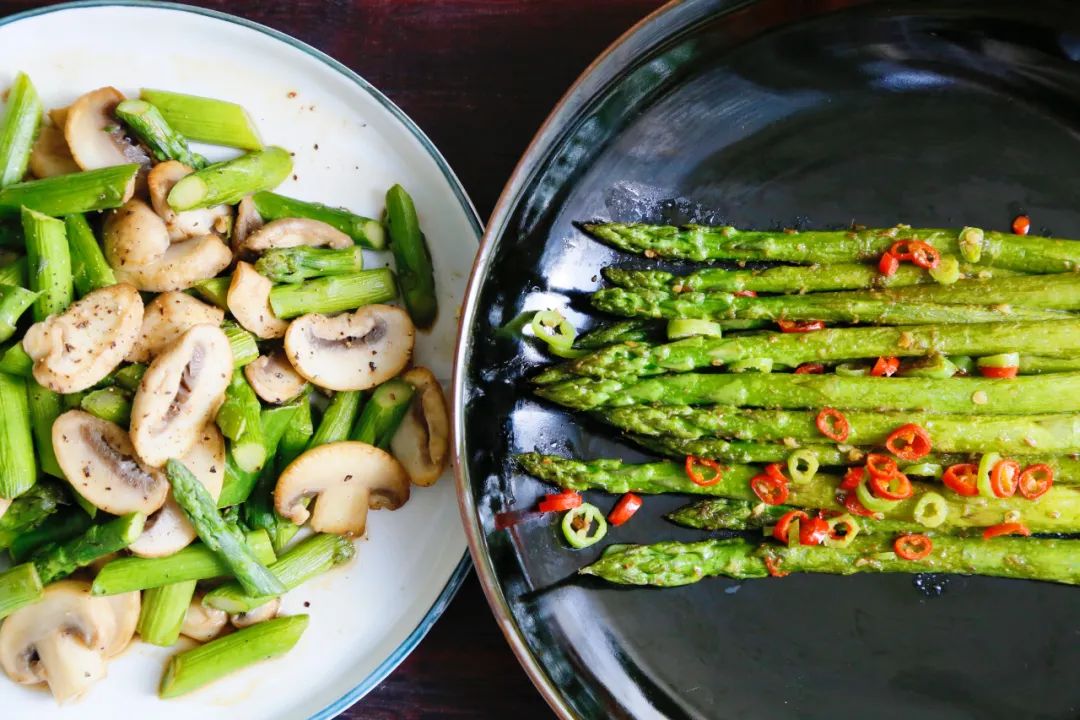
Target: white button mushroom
{"x":203,"y":623}
{"x":187,"y":224}
{"x":249,"y":301}
{"x":183,"y":265}
{"x":180,"y":393}
{"x":95,"y":137}
{"x":78,"y":348}
{"x":50,"y":155}
{"x":134,"y":235}
{"x":292,"y":232}
{"x":351,"y":351}
{"x":99,"y":461}
{"x":248,"y":220}
{"x":346,"y":478}
{"x":267,"y":611}
{"x":273,"y":378}
{"x":422,"y":441}
{"x":167,"y":317}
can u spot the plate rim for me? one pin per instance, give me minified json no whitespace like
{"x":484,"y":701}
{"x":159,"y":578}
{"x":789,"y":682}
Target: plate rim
{"x":453,"y":583}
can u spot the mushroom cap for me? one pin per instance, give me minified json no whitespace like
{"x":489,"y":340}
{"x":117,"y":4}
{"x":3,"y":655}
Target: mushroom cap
{"x":274,"y":379}
{"x":168,"y":530}
{"x":50,"y":155}
{"x":180,"y":394}
{"x":167,"y":317}
{"x":99,"y":461}
{"x":186,"y":224}
{"x":184,"y":264}
{"x":346,"y":479}
{"x":351,"y":351}
{"x":292,"y":232}
{"x":134,"y":236}
{"x":249,"y":302}
{"x":203,"y":623}
{"x":267,"y":611}
{"x":125,"y":608}
{"x":79,"y":347}
{"x":61,"y":639}
{"x":93,"y":134}
{"x":248,"y":220}
{"x":422,"y":440}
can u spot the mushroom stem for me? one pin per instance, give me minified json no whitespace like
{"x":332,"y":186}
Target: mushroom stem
{"x":334,"y":294}
{"x":102,"y":189}
{"x":72,"y":667}
{"x":364,"y":231}
{"x":20,"y":586}
{"x":163,"y":611}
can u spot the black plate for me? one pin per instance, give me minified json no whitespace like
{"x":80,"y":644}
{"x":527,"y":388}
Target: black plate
{"x":768,"y":114}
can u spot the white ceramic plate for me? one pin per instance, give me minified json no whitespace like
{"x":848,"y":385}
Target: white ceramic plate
{"x":367,"y":616}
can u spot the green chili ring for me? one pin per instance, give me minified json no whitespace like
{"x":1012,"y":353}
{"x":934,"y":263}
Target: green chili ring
{"x":805,"y":457}
{"x":577,"y":522}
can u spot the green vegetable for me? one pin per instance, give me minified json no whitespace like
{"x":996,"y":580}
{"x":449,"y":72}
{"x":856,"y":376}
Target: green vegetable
{"x":364,"y":231}
{"x":411,"y":257}
{"x":242,"y":343}
{"x":275,"y":422}
{"x":14,"y":273}
{"x":923,"y":469}
{"x":163,"y":611}
{"x":986,"y":465}
{"x":153,"y":130}
{"x":337,"y":420}
{"x":129,"y":376}
{"x":207,"y":120}
{"x":28,"y":511}
{"x":756,"y":365}
{"x":797,"y":460}
{"x":239,"y":421}
{"x":383,"y":413}
{"x":298,"y":433}
{"x":623,"y":331}
{"x":970,"y":243}
{"x":947,"y":272}
{"x":215,"y":291}
{"x":931,"y":510}
{"x":89,"y":269}
{"x":1003,"y":360}
{"x":852,"y":370}
{"x":851,"y":531}
{"x":19,"y":586}
{"x":297,"y":264}
{"x":932,"y":366}
{"x":56,"y":528}
{"x":81,"y":192}
{"x":333,"y":294}
{"x":54,"y":562}
{"x":44,"y":407}
{"x":683,"y":328}
{"x":110,"y":403}
{"x":18,"y":128}
{"x":228,"y":182}
{"x":14,"y":301}
{"x":871,"y":502}
{"x":50,"y":263}
{"x":18,"y":469}
{"x":584,"y":526}
{"x":556,"y":332}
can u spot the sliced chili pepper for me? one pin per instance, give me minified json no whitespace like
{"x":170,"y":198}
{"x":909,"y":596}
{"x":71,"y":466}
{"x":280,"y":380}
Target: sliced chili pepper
{"x":776,"y":472}
{"x":744,"y":293}
{"x":509,"y":518}
{"x":909,"y":442}
{"x":813,"y":531}
{"x":894,"y":487}
{"x":889,"y":264}
{"x":852,"y":478}
{"x":624,"y":509}
{"x":842,"y":527}
{"x":558,"y":502}
{"x":1009,"y":528}
{"x":925,"y":256}
{"x":800,"y":326}
{"x":810,"y":369}
{"x":885,"y":367}
{"x":699,"y":479}
{"x":783,"y":526}
{"x":962,"y":479}
{"x":770,"y":490}
{"x":1004,"y":477}
{"x":901,"y":249}
{"x":879,"y":465}
{"x":833,"y":424}
{"x":854,"y":506}
{"x":1021,"y":225}
{"x":913,"y":546}
{"x":774,"y":568}
{"x":1035,"y":481}
{"x":999,"y":372}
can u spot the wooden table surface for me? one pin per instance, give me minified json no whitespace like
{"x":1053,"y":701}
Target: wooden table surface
{"x":478,"y":76}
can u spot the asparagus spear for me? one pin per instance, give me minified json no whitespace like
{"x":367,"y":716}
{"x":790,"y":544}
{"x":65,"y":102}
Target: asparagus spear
{"x":110,"y":403}
{"x":297,"y":264}
{"x":1058,"y":510}
{"x":228,"y":182}
{"x":1023,"y":253}
{"x":163,"y":611}
{"x":18,"y":469}
{"x":14,"y":301}
{"x":129,"y":376}
{"x":214,"y":291}
{"x":297,"y":435}
{"x":81,"y":192}
{"x":383,"y":413}
{"x":337,"y":420}
{"x":28,"y":511}
{"x":192,"y":669}
{"x":57,"y":528}
{"x":44,"y":406}
{"x":50,"y":263}
{"x":364,"y":231}
{"x":226,"y":540}
{"x":57,"y":561}
{"x":238,"y":419}
{"x":15,"y":361}
{"x":195,"y":562}
{"x":827,"y":345}
{"x":153,"y":130}
{"x":412,"y":257}
{"x":333,"y":294}
{"x":670,"y":564}
{"x":14,"y":273}
{"x":312,"y":557}
{"x":829,"y":307}
{"x":1007,"y":434}
{"x":207,"y":120}
{"x":623,"y":331}
{"x":977,"y":396}
{"x":1039,"y":364}
{"x":19,"y":586}
{"x":18,"y":128}
{"x":89,"y":269}
{"x":725,"y":514}
{"x":242,"y":343}
{"x":275,"y":422}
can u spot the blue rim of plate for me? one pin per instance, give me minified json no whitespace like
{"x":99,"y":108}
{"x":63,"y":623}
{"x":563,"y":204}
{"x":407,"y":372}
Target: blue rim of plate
{"x":458,"y":576}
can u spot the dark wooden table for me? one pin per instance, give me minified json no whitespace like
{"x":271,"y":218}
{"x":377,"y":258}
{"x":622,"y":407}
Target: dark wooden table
{"x":479,"y":76}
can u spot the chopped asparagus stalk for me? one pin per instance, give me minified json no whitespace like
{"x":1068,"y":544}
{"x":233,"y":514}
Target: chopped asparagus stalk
{"x":622,"y":331}
{"x":44,"y":407}
{"x":163,"y":611}
{"x":228,"y":182}
{"x":28,"y":511}
{"x":57,"y":528}
{"x":18,"y":468}
{"x":383,"y":413}
{"x":364,"y":231}
{"x":111,"y":403}
{"x":14,"y":302}
{"x":207,"y":120}
{"x":337,"y":420}
{"x":57,"y":561}
{"x":412,"y":257}
{"x":275,"y":422}
{"x":297,"y":435}
{"x":195,"y":562}
{"x":89,"y":268}
{"x":82,"y":192}
{"x":18,"y":128}
{"x":297,"y":264}
{"x":127,"y":377}
{"x":15,"y":361}
{"x":726,"y":514}
{"x":192,"y":669}
{"x":14,"y":273}
{"x":153,"y":130}
{"x":50,"y":262}
{"x":238,"y":420}
{"x":20,"y":586}
{"x":333,"y":294}
{"x":214,"y":291}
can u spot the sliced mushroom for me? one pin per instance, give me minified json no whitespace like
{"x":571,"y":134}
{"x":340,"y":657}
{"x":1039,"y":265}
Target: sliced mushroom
{"x":346,"y":478}
{"x":187,"y":224}
{"x":351,"y":352}
{"x":167,"y":317}
{"x":273,"y":378}
{"x":248,"y":220}
{"x":134,"y":236}
{"x":99,"y":461}
{"x":183,"y":265}
{"x":78,"y":348}
{"x":95,"y":137}
{"x":291,"y":232}
{"x":50,"y":155}
{"x":179,"y":394}
{"x":422,"y":440}
{"x":61,"y":640}
{"x":249,"y":302}
{"x":266,"y":611}
{"x":203,"y":623}
{"x":125,"y":608}
{"x":168,"y":530}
